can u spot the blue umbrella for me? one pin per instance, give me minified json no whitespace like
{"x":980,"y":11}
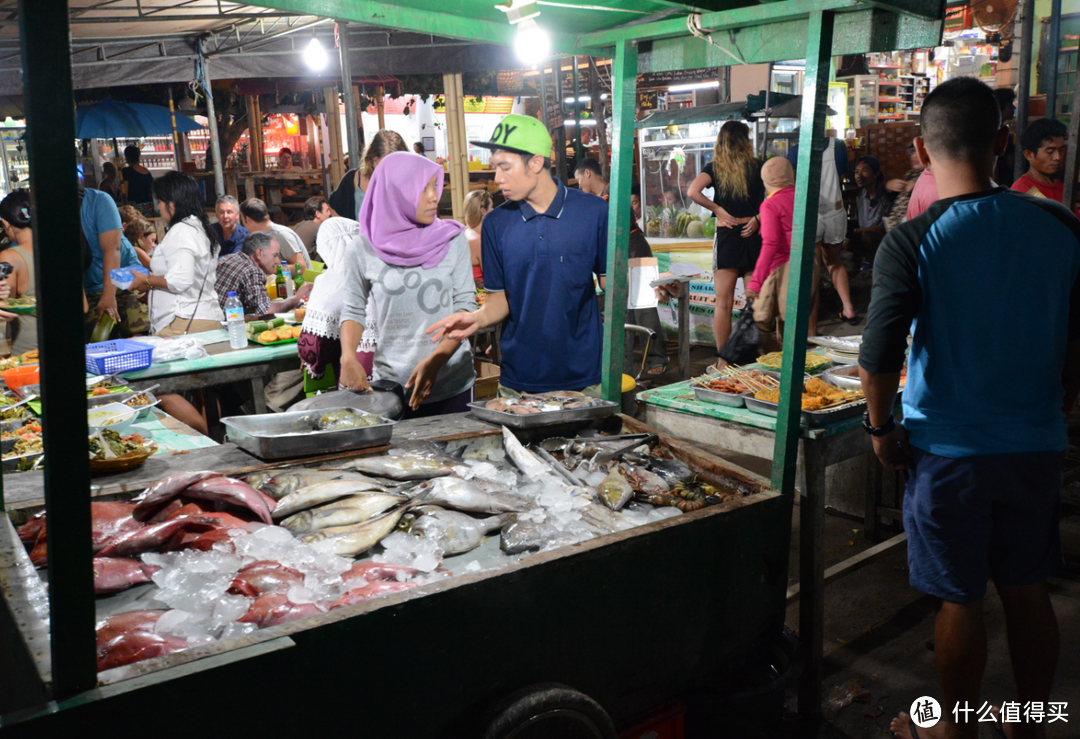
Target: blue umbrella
{"x":112,"y":119}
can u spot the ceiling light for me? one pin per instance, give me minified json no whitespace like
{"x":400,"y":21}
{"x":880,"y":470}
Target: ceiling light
{"x":315,"y":55}
{"x":570,"y":122}
{"x":532,"y":44}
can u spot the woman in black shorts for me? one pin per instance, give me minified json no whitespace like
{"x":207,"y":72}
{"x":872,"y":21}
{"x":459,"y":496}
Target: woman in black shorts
{"x":735,"y":177}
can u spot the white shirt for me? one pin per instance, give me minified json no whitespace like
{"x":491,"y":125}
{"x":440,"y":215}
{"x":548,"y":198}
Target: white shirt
{"x":290,"y":243}
{"x":183,"y":258}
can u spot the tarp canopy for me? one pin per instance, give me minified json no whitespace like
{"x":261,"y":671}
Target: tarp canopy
{"x":781,"y":105}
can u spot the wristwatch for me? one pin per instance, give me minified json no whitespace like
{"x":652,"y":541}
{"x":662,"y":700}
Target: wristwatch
{"x":878,"y":430}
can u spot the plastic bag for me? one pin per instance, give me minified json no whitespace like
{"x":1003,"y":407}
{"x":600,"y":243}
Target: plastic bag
{"x":171,"y":349}
{"x":744,"y":344}
{"x":125,"y":276}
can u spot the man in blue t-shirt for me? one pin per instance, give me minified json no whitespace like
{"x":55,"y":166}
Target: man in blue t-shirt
{"x":982,"y":454}
{"x":540,"y":250}
{"x":111,"y":250}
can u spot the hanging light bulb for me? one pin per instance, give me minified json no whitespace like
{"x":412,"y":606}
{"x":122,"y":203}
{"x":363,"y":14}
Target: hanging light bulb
{"x":533,"y":45}
{"x":315,"y":55}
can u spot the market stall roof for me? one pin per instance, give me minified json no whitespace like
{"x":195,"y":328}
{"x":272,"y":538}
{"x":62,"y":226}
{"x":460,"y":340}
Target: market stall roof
{"x":781,"y":105}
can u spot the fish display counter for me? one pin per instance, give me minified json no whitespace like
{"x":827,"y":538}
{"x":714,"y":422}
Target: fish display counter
{"x":455,"y":571}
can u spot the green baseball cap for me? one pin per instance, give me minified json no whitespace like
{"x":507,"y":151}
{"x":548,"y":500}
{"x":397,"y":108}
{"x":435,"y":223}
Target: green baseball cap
{"x":519,"y":133}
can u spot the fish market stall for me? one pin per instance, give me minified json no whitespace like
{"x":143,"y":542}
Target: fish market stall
{"x":510,"y":551}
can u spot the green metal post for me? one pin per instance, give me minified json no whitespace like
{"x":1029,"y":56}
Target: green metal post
{"x":578,"y":149}
{"x":623,"y":99}
{"x":803,"y":239}
{"x":47,"y":92}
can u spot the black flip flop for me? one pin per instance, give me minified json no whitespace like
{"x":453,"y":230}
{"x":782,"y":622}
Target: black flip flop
{"x":910,"y":722}
{"x":855,"y":321}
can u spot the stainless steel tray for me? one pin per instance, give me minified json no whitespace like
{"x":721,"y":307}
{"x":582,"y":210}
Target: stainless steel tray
{"x":809,"y":418}
{"x":281,"y":435}
{"x":11,"y":464}
{"x":708,"y":395}
{"x":120,"y":398}
{"x":847,"y":344}
{"x":536,"y":420}
{"x":845,"y":377}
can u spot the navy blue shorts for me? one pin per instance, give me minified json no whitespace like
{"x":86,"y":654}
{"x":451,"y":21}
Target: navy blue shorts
{"x":973,"y":519}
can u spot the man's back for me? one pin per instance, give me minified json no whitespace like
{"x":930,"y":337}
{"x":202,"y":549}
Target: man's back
{"x":991,"y":277}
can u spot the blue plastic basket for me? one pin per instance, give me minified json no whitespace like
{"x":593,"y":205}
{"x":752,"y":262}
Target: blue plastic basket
{"x":122,"y":355}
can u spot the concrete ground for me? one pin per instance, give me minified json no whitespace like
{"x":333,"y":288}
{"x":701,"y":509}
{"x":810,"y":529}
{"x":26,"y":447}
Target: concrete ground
{"x":879,"y":630}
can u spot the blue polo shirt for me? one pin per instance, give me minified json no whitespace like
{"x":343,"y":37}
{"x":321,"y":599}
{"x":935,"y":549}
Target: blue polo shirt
{"x":544,"y":262}
{"x":232,"y":244}
{"x":100,"y":215}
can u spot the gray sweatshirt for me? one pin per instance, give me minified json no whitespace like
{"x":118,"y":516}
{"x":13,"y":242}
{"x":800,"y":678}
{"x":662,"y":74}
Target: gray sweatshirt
{"x":407,"y":301}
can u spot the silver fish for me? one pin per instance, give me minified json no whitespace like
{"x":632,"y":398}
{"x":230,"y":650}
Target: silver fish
{"x":322,"y":492}
{"x":602,"y":519}
{"x":350,"y":541}
{"x":287,"y":482}
{"x":615,"y":491}
{"x":453,"y":492}
{"x":456,"y":533}
{"x":525,"y":460}
{"x":401,"y":468}
{"x":525,"y":536}
{"x":351,"y":510}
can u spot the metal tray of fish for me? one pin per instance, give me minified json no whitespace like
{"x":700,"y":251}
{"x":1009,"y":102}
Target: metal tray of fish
{"x":603,"y":409}
{"x":11,"y":464}
{"x":809,"y":418}
{"x":282,"y":435}
{"x":708,"y":395}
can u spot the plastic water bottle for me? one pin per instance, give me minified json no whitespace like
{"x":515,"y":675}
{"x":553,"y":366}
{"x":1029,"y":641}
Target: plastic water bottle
{"x":234,"y":317}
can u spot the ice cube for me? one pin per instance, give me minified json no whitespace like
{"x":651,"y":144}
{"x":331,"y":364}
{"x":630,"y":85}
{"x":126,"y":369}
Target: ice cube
{"x":300,"y":595}
{"x":228,"y":608}
{"x":662,"y":512}
{"x":595,"y":478}
{"x":473,"y":566}
{"x":235,"y":630}
{"x":496,"y":455}
{"x":170,"y":623}
{"x":426,"y":561}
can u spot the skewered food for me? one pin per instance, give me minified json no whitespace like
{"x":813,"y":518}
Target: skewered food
{"x":817,"y":395}
{"x":726,"y":385}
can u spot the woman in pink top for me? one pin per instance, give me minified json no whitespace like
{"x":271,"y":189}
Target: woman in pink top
{"x":768,"y":286}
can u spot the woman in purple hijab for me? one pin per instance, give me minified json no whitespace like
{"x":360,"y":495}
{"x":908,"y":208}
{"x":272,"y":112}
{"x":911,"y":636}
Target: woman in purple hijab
{"x":416,"y":270}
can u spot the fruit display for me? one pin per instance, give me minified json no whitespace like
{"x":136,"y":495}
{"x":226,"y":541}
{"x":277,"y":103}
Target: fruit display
{"x":671,"y":222}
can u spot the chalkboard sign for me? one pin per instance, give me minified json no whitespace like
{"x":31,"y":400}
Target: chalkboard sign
{"x":676,"y":77}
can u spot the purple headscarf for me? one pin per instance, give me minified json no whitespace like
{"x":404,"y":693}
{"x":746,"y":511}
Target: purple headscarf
{"x":388,"y":213}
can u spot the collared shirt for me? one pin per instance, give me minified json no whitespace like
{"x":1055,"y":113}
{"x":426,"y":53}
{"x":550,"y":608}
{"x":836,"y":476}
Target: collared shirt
{"x":871,"y":212}
{"x":232,"y":244}
{"x":545,"y":262}
{"x":238,"y":273}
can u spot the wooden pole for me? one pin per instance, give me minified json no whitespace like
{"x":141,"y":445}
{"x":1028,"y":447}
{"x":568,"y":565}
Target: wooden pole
{"x":623,"y":99}
{"x":175,"y":136}
{"x":803,"y":238}
{"x":379,"y":95}
{"x":47,"y":94}
{"x":256,"y":153}
{"x":333,"y":131}
{"x":458,"y":154}
{"x":361,"y":143}
{"x":1023,"y":95}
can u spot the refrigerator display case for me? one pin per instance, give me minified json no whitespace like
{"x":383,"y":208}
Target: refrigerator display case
{"x":15,"y":172}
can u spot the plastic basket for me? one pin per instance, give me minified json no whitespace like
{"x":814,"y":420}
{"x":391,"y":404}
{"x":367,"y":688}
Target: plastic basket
{"x":122,"y":355}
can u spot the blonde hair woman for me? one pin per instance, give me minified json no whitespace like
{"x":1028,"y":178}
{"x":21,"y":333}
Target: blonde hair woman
{"x":349,"y":195}
{"x":478,"y":204}
{"x":735,"y":178}
{"x":143,"y":236}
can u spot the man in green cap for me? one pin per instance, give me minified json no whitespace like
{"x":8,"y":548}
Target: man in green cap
{"x":540,"y":250}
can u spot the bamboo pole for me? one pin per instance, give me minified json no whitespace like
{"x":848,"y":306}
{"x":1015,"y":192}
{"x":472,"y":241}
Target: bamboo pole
{"x":458,"y":154}
{"x":379,"y":95}
{"x":256,"y":155}
{"x":333,"y":132}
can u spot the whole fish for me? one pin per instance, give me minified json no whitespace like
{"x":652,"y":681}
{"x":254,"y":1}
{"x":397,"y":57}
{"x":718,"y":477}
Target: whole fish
{"x":260,"y":578}
{"x":372,"y":571}
{"x":150,"y":538}
{"x":322,"y":492}
{"x":349,"y":541}
{"x":643,"y":480}
{"x":425,"y":450}
{"x":126,"y":622}
{"x":526,"y":461}
{"x":162,"y":491}
{"x":235,"y":492}
{"x":453,"y":492}
{"x":672,"y":470}
{"x":29,"y":531}
{"x":215,"y":539}
{"x":369,"y":591}
{"x":402,"y":468}
{"x":135,"y":646}
{"x":615,"y":491}
{"x":113,"y":574}
{"x":454,"y":532}
{"x":276,"y":608}
{"x":286,"y":483}
{"x":258,"y":479}
{"x":525,"y":536}
{"x":355,"y":509}
{"x":602,"y":519}
{"x":107,"y":522}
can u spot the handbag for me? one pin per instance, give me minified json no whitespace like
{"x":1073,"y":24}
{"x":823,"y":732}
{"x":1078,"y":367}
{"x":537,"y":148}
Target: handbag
{"x":744,"y":344}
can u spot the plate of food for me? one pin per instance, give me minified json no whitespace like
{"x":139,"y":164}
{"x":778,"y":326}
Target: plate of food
{"x":273,"y":337}
{"x":116,"y":416}
{"x":112,"y":452}
{"x":814,"y":361}
{"x":822,"y":402}
{"x":23,"y":306}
